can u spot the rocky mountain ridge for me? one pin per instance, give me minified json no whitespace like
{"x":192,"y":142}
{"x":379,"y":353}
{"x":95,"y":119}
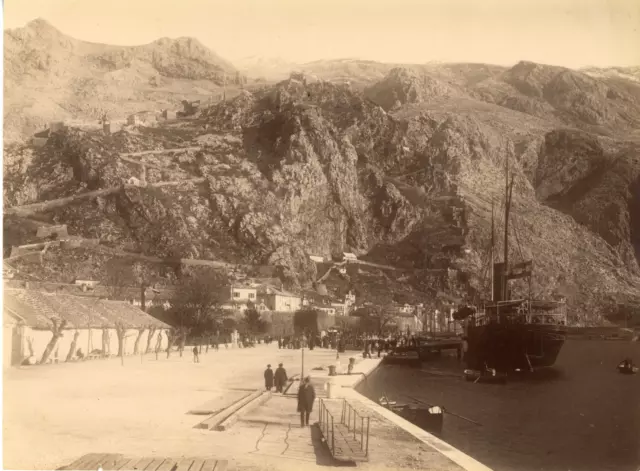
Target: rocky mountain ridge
{"x":51,"y":76}
{"x":402,"y":169}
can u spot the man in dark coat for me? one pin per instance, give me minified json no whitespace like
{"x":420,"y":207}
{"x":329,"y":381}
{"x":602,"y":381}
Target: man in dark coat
{"x":268,"y":378}
{"x":280,"y":378}
{"x":306,"y":397}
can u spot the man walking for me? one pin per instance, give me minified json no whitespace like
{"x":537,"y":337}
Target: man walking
{"x":367,"y":349}
{"x":306,"y":397}
{"x":268,"y":378}
{"x":196,"y":358}
{"x":280,"y":378}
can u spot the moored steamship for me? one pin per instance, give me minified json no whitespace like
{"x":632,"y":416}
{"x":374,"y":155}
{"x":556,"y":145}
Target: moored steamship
{"x":506,"y":333}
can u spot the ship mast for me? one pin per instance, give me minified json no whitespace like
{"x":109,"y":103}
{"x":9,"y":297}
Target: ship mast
{"x":506,"y":230}
{"x":507,"y":206}
{"x":492,"y":269}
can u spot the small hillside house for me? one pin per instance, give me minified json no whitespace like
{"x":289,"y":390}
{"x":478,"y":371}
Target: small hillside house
{"x":349,"y":257}
{"x":341,"y":309}
{"x":331,"y":311}
{"x":282,"y":301}
{"x":243,"y":294}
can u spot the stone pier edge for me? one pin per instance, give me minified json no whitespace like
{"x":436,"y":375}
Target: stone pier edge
{"x":360,"y":374}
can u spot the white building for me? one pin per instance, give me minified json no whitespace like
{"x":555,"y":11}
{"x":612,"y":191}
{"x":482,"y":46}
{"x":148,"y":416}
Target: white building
{"x":350,"y":298}
{"x":134,"y":120}
{"x":341,"y":309}
{"x":349,"y":257}
{"x":316,"y":258}
{"x":27,"y":321}
{"x":331,"y":311}
{"x":91,"y":284}
{"x":243,"y":294}
{"x":261,"y":307}
{"x":134,"y":181}
{"x":406,"y":309}
{"x":282,"y":301}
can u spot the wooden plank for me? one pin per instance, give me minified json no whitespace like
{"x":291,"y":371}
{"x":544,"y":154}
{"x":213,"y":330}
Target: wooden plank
{"x":116,"y":463}
{"x":184,"y":464}
{"x":209,"y":465}
{"x":143,"y":463}
{"x":80,"y":461}
{"x":167,"y":465}
{"x":197,"y":465}
{"x":222,"y":465}
{"x":154,"y":465}
{"x":128,"y":465}
{"x":96,"y":462}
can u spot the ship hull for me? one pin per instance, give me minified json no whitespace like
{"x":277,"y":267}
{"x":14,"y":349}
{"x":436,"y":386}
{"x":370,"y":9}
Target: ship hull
{"x":514,"y":346}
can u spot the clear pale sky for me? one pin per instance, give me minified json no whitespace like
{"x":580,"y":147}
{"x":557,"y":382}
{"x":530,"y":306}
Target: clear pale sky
{"x":572,"y":33}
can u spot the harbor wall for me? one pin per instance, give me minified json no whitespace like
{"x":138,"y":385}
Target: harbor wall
{"x":363,"y":370}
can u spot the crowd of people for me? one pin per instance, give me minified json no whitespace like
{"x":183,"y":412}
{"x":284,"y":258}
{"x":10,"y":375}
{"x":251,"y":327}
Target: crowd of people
{"x":370,"y":344}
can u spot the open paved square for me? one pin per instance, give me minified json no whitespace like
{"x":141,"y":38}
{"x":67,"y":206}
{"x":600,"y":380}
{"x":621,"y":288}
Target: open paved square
{"x":54,"y":414}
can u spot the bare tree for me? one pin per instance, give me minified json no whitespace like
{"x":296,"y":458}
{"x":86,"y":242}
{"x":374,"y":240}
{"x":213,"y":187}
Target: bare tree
{"x":171,"y":338}
{"x":182,"y":338}
{"x":144,"y":278}
{"x":57,"y":330}
{"x":136,"y":345}
{"x":106,"y":342}
{"x":72,"y":348}
{"x":121,"y":331}
{"x":159,"y":344}
{"x":152,"y":331}
{"x":30,"y":347}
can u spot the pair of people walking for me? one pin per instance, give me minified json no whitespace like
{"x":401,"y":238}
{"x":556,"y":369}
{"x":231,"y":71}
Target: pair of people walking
{"x":306,"y":392}
{"x":277,"y":378}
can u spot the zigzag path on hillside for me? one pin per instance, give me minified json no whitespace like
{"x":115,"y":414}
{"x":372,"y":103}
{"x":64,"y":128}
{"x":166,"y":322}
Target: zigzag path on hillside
{"x":136,"y":256}
{"x":30,"y":209}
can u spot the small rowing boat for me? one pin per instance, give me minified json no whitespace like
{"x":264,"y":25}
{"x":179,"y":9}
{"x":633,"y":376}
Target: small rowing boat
{"x":429,"y":418}
{"x":403,"y":356}
{"x":488,"y":376}
{"x":626,"y":368}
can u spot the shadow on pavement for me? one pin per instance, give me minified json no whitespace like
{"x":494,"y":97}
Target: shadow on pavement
{"x":322,"y":452}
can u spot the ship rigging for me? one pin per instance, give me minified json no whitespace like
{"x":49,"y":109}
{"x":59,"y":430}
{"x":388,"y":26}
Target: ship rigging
{"x":508,"y":333}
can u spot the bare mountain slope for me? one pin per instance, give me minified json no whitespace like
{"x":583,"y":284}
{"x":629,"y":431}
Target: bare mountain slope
{"x":601,"y":104}
{"x":49,"y":75}
{"x":403,"y":174}
{"x":298,"y":169}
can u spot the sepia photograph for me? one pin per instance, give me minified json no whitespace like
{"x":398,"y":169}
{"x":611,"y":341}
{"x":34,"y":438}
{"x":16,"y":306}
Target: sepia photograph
{"x":278,"y":235}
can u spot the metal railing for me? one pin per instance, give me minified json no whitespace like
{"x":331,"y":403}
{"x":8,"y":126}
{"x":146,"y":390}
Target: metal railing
{"x":350,"y":418}
{"x":554,"y":313}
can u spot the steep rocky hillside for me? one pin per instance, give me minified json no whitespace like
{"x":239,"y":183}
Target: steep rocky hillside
{"x":51,"y":76}
{"x":310,"y":167}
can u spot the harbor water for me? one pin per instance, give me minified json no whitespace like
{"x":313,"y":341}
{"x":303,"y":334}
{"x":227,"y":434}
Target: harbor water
{"x":580,"y":415}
